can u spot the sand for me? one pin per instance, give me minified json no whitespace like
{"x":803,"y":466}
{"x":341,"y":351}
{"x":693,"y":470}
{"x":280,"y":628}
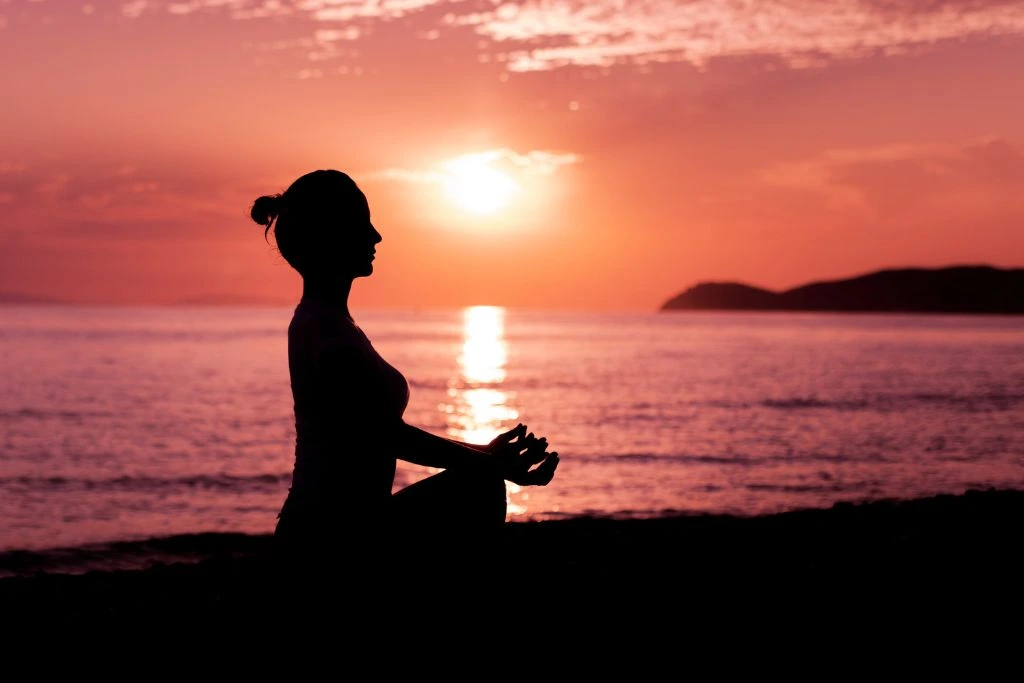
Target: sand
{"x":842,"y":564}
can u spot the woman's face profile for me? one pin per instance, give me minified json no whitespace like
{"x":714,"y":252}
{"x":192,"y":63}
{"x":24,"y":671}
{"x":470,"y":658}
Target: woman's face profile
{"x":358,"y":239}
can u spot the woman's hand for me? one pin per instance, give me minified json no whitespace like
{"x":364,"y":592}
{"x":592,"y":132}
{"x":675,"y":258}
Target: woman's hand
{"x":522,"y":458}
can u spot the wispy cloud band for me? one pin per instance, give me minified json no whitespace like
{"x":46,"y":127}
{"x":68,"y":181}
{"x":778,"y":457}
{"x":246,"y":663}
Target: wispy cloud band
{"x":801,"y":32}
{"x":541,"y":162}
{"x":546,"y":34}
{"x":892,"y":178}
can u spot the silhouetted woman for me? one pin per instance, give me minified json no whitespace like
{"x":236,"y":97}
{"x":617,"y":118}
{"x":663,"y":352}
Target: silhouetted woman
{"x":340,"y":515}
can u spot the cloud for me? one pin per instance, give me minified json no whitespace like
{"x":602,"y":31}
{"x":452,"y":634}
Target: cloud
{"x":135,"y":9}
{"x":537,"y":160}
{"x":409,"y":176}
{"x":345,"y":10}
{"x":801,"y":32}
{"x":53,"y":184}
{"x":540,"y":162}
{"x":893,"y":179}
{"x":47,"y":202}
{"x":546,"y":34}
{"x":318,"y":10}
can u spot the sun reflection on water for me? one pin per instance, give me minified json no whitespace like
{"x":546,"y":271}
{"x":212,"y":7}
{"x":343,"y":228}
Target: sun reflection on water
{"x":480,"y":409}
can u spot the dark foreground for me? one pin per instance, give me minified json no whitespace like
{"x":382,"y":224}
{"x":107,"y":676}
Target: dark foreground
{"x":878,"y":561}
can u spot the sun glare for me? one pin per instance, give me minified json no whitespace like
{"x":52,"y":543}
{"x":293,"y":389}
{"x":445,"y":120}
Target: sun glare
{"x":472,"y":184}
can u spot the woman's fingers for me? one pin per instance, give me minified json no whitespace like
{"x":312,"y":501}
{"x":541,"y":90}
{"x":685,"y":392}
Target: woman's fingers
{"x":527,"y":461}
{"x":531,"y":441}
{"x":527,"y":453}
{"x":535,"y":454}
{"x":546,"y":471}
{"x":543,"y":474}
{"x":507,"y":437}
{"x":526,"y":444}
{"x":539,"y":476}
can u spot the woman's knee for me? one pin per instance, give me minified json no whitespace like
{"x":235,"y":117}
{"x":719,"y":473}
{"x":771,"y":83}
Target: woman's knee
{"x":489,"y":493}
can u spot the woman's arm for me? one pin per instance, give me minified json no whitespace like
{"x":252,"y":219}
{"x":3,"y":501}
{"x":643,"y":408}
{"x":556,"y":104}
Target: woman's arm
{"x":420,"y":447}
{"x":511,"y":454}
{"x":481,"y":448}
{"x":516,"y":455}
{"x":345,"y":369}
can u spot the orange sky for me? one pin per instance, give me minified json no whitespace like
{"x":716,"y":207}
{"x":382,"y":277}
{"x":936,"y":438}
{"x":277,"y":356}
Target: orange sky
{"x":655,"y":144}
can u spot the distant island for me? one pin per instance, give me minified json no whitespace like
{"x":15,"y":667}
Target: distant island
{"x":20,"y":298}
{"x":957,"y":289}
{"x":227,"y":300}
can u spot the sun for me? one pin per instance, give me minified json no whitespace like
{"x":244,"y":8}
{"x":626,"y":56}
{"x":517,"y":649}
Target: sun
{"x":473,"y":185}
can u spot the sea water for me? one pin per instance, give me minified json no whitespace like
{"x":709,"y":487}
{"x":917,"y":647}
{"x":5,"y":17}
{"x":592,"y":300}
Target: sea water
{"x":122,"y":423}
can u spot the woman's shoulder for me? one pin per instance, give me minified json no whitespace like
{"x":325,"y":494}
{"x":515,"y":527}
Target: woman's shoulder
{"x":324,"y":326}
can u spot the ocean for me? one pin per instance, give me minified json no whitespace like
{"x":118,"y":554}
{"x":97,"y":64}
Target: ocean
{"x":126,"y":424}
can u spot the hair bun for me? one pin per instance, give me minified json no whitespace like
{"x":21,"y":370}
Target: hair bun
{"x":266,"y":209}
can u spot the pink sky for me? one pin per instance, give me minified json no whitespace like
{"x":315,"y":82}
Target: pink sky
{"x":655,"y":144}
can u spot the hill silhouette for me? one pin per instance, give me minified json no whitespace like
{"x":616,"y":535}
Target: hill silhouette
{"x":22,"y":298}
{"x":957,"y":289}
{"x":213,"y":299}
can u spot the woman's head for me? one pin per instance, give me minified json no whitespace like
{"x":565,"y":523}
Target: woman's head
{"x":321,"y":225}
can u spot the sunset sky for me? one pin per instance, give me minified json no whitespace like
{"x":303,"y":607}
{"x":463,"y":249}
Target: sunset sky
{"x":543,"y":154}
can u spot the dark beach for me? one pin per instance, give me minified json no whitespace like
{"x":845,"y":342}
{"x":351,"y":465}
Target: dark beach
{"x":852,"y":559}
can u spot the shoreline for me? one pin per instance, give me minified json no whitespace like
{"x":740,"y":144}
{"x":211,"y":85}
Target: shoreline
{"x":555,"y":536}
{"x":958,"y":545}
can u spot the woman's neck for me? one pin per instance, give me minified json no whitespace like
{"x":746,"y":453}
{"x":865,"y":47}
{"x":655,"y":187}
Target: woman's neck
{"x":333,"y":293}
